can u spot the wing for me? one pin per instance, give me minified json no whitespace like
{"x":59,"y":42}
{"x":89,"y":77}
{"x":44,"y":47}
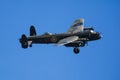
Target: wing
{"x":67,"y":40}
{"x":77,"y":26}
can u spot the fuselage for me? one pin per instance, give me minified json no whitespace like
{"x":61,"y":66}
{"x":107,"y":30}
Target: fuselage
{"x":54,"y":38}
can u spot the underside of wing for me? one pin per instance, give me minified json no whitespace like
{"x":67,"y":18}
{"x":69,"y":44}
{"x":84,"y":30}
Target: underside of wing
{"x":67,"y":40}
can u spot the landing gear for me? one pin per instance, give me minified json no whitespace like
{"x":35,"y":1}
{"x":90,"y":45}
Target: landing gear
{"x":30,"y":45}
{"x":82,"y":44}
{"x":76,"y":50}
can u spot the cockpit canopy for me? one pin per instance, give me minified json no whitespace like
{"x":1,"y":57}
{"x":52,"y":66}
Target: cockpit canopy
{"x":85,"y":29}
{"x":90,"y":29}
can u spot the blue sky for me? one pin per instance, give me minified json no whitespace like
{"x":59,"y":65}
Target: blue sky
{"x":100,"y":60}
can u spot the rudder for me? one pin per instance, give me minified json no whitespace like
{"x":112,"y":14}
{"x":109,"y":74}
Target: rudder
{"x":32,"y":31}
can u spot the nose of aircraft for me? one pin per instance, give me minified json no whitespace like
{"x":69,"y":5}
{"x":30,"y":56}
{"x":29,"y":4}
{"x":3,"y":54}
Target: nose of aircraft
{"x":99,"y":35}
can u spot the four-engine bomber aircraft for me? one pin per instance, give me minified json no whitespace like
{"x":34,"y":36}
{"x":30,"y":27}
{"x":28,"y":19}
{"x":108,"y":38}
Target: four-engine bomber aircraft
{"x":77,"y":36}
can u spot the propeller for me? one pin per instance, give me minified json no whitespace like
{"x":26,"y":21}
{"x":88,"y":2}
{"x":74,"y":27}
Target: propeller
{"x":101,"y":36}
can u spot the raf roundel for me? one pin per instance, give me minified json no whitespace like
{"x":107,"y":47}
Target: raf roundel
{"x":53,"y":38}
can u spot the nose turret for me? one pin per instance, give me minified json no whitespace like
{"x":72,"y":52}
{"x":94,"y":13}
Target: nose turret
{"x":98,"y":35}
